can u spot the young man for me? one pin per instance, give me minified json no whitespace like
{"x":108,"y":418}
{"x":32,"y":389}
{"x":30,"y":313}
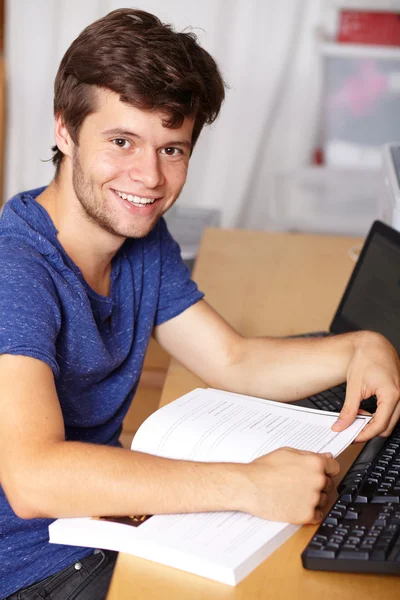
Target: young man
{"x":88,"y":271}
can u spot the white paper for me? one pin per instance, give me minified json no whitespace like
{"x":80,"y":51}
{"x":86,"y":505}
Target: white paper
{"x":212,"y":425}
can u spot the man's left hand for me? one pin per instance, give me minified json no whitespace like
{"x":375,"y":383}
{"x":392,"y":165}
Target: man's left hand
{"x":373,"y":369}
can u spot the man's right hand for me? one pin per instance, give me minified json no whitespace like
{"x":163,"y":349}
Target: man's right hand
{"x":290,"y":485}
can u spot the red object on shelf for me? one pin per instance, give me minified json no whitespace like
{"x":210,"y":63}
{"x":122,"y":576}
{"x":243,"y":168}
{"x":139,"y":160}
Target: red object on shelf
{"x":365,"y":27}
{"x":318,"y":157}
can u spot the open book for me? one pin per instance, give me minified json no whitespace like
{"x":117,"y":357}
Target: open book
{"x":211,"y":425}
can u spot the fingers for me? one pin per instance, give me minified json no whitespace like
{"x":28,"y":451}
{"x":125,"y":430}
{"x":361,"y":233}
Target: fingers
{"x":380,"y":424}
{"x":329,"y":485}
{"x":317,"y":518}
{"x":331,"y":467}
{"x":363,"y":412}
{"x":330,"y":464}
{"x":393,"y":421}
{"x":350,"y":407}
{"x":318,"y":512}
{"x":380,"y":421}
{"x":323,"y":500}
{"x":385,"y":418}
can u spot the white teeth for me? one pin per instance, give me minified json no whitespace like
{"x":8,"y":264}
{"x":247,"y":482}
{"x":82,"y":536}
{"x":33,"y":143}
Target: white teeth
{"x":135,"y":199}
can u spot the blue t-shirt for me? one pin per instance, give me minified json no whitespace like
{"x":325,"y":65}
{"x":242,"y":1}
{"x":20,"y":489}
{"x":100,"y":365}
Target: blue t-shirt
{"x":94,"y":344}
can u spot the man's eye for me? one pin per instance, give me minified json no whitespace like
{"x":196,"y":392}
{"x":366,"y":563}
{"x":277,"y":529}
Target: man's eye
{"x":171,"y":151}
{"x":121,"y":143}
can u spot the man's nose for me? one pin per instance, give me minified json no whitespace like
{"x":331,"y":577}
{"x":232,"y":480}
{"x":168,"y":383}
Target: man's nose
{"x":146,"y":169}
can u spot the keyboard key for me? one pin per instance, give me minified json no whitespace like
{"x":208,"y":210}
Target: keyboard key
{"x":316,"y":545}
{"x":322,"y":539}
{"x":382,"y":499}
{"x":340,"y":531}
{"x":366,"y":547}
{"x":338,"y":389}
{"x":348,"y":493}
{"x":375,"y":531}
{"x":380,"y":469}
{"x":354,"y":554}
{"x":366,"y":491}
{"x":311,"y":553}
{"x":358,"y":533}
{"x":339,"y":506}
{"x":332,"y":546}
{"x":378,"y":554}
{"x":352,"y":513}
{"x":337,"y":539}
{"x":353,"y":540}
{"x":381,"y":522}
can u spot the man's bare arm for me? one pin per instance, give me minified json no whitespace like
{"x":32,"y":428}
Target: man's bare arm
{"x":288,"y":369}
{"x":45,"y":476}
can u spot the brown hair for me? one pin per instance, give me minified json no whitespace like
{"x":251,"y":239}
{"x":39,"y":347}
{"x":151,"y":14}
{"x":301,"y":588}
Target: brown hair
{"x":147,"y":63}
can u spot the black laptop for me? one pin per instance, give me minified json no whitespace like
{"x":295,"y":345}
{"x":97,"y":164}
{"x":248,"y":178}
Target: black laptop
{"x":371,"y":301}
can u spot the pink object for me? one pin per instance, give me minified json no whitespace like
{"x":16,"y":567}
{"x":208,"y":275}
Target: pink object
{"x":361,"y":91}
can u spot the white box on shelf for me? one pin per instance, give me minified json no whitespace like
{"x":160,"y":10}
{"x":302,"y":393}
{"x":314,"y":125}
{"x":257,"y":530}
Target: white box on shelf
{"x":326,"y":200}
{"x":360,"y":103}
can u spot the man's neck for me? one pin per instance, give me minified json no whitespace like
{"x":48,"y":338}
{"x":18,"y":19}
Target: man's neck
{"x":91,"y":248}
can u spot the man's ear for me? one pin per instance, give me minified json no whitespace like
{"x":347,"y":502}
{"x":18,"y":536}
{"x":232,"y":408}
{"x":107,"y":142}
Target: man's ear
{"x":62,"y":137}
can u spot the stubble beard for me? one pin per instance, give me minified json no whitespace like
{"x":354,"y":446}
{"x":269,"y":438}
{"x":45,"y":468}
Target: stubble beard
{"x":92,"y":212}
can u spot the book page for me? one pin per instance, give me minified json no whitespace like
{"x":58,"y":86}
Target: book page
{"x":212,"y":425}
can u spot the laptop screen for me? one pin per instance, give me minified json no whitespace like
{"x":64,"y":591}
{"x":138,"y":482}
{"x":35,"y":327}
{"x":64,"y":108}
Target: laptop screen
{"x":372,"y":297}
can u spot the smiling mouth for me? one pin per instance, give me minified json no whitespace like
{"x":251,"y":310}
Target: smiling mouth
{"x":136,"y":200}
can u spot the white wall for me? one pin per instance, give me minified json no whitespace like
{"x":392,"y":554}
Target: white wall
{"x":268,"y":53}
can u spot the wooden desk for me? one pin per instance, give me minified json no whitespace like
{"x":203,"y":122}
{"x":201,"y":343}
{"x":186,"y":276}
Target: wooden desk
{"x":263,"y":284}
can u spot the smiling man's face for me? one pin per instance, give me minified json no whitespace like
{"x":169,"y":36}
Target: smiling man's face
{"x":127,"y":168}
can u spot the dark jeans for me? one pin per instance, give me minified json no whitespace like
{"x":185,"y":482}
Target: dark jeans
{"x":87,"y":579}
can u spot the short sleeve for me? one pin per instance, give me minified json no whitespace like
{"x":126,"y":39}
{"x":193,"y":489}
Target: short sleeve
{"x":29,"y":309}
{"x":177,"y":290}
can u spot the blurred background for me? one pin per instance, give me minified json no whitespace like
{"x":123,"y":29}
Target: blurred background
{"x":314,"y":90}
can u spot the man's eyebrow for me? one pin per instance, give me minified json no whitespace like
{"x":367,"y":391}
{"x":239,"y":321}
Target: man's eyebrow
{"x":128,"y":133}
{"x":121,"y":132}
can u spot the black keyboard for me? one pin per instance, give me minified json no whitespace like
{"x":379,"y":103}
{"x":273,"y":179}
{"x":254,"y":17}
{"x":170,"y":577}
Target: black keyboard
{"x":333,"y":399}
{"x":361,"y":532}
